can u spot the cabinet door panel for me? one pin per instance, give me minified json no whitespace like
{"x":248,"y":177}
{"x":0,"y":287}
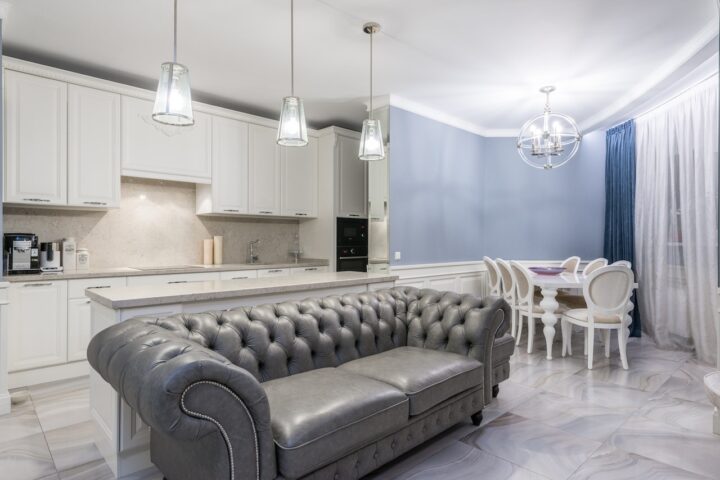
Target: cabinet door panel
{"x":78,"y":329}
{"x":264,"y":171}
{"x":37,"y":327}
{"x":300,"y":180}
{"x":352,"y":181}
{"x":36,"y":139}
{"x":153,"y":150}
{"x":230,"y":166}
{"x":93,"y":147}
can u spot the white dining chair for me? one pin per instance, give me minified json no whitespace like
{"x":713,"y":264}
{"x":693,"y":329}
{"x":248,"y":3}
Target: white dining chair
{"x":571,"y":264}
{"x":622,"y":263}
{"x":508,"y":291}
{"x":528,"y":303}
{"x":575,"y":300}
{"x":493,"y":276}
{"x":607,"y":292}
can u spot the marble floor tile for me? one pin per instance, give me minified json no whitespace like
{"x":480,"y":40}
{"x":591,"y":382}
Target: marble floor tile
{"x":542,"y":449}
{"x":511,"y":394}
{"x":580,"y":418}
{"x":545,"y":372}
{"x":98,"y":470}
{"x":696,"y":452}
{"x":461,"y":461}
{"x":686,"y":382}
{"x":610,"y":395}
{"x":26,"y":458}
{"x":62,"y":404}
{"x":20,"y":422}
{"x":612,"y":463}
{"x":73,"y":445}
{"x":643,"y":373}
{"x":693,"y":416}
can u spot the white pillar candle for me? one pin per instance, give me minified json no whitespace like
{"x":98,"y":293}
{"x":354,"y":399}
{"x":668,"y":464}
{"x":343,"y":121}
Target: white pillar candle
{"x":217,"y":250}
{"x":208,"y":251}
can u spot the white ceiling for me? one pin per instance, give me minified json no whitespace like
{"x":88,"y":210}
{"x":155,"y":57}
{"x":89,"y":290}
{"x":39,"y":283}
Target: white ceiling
{"x":478,"y":63}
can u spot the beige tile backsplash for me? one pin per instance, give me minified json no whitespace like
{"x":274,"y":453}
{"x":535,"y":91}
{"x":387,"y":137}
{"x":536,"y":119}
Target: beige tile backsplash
{"x":155,"y":225}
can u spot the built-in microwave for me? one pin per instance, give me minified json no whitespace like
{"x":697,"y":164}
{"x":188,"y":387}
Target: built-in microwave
{"x":352,"y":231}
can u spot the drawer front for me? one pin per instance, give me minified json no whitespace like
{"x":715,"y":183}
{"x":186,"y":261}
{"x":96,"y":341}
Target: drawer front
{"x":296,"y":270}
{"x":76,"y":288}
{"x":273,"y":272}
{"x":172,"y":278}
{"x":238,"y":275}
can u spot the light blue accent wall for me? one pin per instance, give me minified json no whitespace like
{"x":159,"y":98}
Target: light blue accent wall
{"x":539,"y":214}
{"x":436,"y":198}
{"x":457,"y":196}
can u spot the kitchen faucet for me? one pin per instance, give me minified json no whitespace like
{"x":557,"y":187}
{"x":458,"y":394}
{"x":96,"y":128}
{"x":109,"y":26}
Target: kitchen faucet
{"x":252,"y":256}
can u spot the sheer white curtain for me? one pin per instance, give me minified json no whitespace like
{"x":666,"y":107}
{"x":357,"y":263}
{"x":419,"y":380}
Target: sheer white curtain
{"x":676,"y":220}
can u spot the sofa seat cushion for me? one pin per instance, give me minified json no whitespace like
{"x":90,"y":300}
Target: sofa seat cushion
{"x":321,"y":415}
{"x":427,"y":377}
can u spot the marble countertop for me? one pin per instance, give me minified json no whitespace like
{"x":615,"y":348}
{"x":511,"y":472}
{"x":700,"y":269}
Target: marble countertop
{"x":140,"y":271}
{"x":129,"y":297}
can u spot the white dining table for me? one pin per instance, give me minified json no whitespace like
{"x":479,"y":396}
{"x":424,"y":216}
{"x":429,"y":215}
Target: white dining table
{"x":549,"y":285}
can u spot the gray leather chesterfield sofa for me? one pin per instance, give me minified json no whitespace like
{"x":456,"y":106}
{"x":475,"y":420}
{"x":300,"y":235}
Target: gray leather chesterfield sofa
{"x":328,"y":388}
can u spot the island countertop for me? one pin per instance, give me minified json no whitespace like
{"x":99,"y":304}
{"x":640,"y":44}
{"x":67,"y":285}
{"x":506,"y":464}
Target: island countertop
{"x":131,"y":297}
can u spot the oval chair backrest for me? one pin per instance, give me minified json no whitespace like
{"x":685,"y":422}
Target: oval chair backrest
{"x":607,"y":290}
{"x":508,"y":287}
{"x":523,"y":283}
{"x":493,"y":275}
{"x":622,"y":263}
{"x":571,"y":264}
{"x":594,"y":265}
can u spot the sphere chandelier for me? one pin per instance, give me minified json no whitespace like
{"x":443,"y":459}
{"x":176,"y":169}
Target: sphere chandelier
{"x":550,"y":139}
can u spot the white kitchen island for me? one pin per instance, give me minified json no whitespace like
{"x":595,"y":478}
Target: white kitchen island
{"x":120,"y":434}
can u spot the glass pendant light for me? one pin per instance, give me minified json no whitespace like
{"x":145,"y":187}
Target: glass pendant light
{"x":292,"y":130}
{"x":371,"y":140}
{"x":173,"y":100}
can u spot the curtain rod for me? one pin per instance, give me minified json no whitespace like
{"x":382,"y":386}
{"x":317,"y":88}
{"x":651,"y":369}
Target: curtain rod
{"x":650,"y":110}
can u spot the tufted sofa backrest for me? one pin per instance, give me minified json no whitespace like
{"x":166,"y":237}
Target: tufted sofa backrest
{"x":277,"y":340}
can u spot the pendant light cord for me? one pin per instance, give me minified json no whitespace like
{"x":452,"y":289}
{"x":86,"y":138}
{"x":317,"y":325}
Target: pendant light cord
{"x":175,"y":32}
{"x":371,"y":75}
{"x":292,"y":48}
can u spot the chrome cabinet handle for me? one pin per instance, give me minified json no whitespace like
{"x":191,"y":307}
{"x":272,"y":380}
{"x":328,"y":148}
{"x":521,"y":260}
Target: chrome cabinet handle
{"x":232,"y":210}
{"x":350,"y":258}
{"x":37,"y":285}
{"x":239,"y":278}
{"x":95,"y":203}
{"x":265,"y":212}
{"x":310,"y":269}
{"x":186,"y":281}
{"x":301,"y":214}
{"x":353,"y":214}
{"x":36,"y":200}
{"x":97,"y":286}
{"x":275,"y":271}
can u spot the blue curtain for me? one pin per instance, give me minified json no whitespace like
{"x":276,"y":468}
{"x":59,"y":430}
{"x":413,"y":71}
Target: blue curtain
{"x":619,"y":241}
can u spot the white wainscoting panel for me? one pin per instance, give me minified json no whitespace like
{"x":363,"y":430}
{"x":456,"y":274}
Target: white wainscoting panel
{"x":461,"y":277}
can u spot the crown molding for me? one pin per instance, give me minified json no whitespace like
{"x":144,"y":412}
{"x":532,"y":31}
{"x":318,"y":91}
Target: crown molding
{"x":433,"y":114}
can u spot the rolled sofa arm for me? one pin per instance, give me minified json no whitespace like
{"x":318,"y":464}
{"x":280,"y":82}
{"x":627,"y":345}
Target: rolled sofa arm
{"x":458,"y":323}
{"x":191,"y":397}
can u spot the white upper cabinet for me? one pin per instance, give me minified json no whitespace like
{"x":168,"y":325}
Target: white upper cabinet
{"x":228,"y":192}
{"x":299,"y":178}
{"x":93,"y":147}
{"x":352,"y":178}
{"x":264,"y":171}
{"x":36,"y":140}
{"x":153,"y":150}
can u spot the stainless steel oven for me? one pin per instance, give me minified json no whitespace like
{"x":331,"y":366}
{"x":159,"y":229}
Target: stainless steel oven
{"x":352,"y":245}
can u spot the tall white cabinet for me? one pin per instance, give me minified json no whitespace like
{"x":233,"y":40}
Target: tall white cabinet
{"x":35,"y":140}
{"x":299,"y":180}
{"x":264,"y":168}
{"x":93,"y":147}
{"x":352,"y":175}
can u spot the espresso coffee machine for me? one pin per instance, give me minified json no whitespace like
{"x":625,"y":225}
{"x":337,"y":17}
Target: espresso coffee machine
{"x":50,"y":257}
{"x":20,"y":254}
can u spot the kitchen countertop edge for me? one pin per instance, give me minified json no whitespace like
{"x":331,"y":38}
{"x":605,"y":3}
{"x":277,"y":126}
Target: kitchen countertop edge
{"x":132,"y":272}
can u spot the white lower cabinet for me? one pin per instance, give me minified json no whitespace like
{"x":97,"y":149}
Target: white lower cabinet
{"x":238,"y":275}
{"x":297,"y":270}
{"x":273,"y":272}
{"x":78,"y":325}
{"x":37,"y":325}
{"x":172,"y":278}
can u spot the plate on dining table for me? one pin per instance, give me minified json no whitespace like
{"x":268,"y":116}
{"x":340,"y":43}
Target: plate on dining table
{"x":551,"y":271}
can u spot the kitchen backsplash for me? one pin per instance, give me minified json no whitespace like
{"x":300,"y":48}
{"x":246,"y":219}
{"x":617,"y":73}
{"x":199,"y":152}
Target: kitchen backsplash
{"x":155,"y":225}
